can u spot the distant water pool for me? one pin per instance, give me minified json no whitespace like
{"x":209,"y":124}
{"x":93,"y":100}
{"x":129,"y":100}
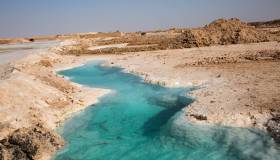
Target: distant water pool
{"x":141,"y":121}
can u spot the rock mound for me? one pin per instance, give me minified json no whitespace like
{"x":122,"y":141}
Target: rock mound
{"x":273,"y":127}
{"x":221,"y":32}
{"x":29,"y":143}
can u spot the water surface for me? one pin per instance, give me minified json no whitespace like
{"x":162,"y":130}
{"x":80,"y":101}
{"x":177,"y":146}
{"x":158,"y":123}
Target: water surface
{"x":140,"y":121}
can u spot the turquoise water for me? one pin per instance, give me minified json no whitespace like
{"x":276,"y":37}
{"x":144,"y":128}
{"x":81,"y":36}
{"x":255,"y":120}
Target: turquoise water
{"x":140,"y":121}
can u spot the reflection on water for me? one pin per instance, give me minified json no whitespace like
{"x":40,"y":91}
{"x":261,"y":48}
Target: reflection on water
{"x":144,"y":121}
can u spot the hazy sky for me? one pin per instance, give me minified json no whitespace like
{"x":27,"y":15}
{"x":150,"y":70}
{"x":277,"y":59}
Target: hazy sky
{"x":19,"y":18}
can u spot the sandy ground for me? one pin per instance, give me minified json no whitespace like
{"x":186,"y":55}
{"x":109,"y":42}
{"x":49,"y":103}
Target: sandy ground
{"x":108,"y":46}
{"x":32,"y":89}
{"x":9,"y":53}
{"x":12,"y":52}
{"x":239,"y":84}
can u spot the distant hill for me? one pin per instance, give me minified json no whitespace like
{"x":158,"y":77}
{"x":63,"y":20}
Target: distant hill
{"x":273,"y":23}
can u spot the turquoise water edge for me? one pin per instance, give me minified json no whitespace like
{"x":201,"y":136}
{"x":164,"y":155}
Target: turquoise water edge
{"x":141,"y":121}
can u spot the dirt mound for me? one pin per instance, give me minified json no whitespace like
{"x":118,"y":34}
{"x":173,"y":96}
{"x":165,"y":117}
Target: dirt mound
{"x":220,"y":32}
{"x":45,"y":63}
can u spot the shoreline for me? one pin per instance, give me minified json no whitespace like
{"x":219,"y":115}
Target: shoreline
{"x":214,"y":80}
{"x":43,"y":101}
{"x":204,"y":83}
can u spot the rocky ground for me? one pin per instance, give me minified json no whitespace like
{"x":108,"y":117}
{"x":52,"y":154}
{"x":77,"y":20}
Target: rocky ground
{"x":30,"y":143}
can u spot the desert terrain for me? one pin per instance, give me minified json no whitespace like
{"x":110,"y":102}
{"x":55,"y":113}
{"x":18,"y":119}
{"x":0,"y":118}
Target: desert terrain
{"x":233,"y":67}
